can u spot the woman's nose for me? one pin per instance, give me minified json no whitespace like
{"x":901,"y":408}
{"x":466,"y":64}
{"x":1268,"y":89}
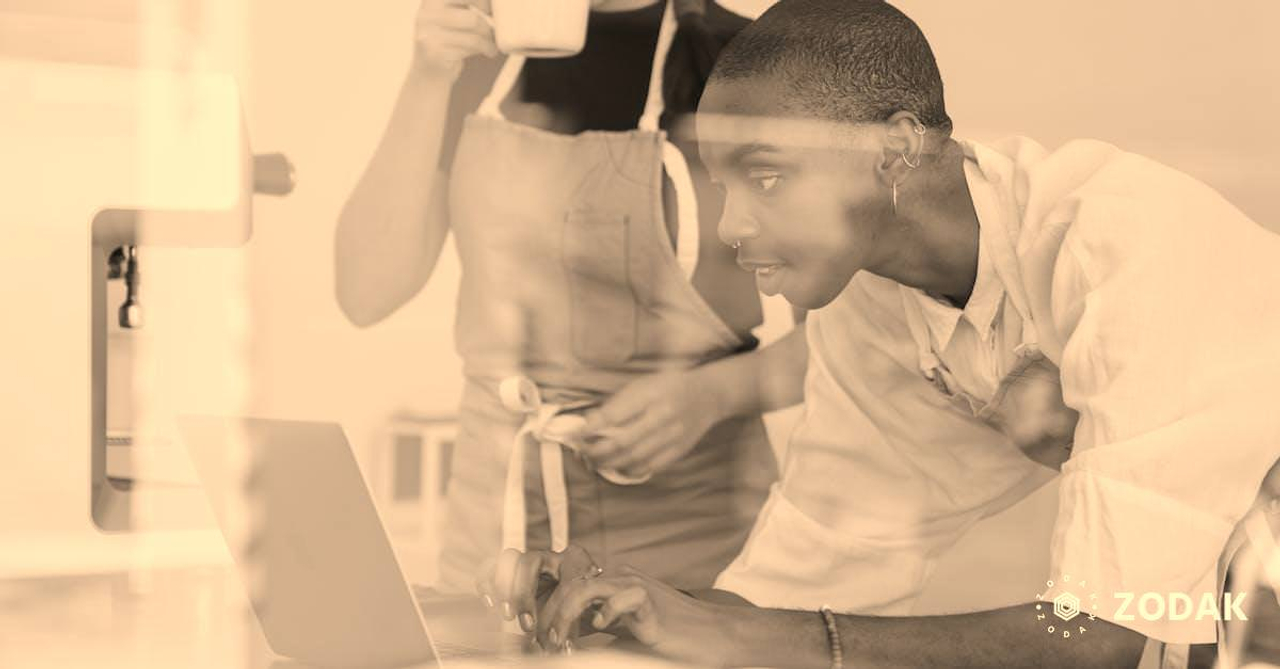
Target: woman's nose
{"x":734,"y":227}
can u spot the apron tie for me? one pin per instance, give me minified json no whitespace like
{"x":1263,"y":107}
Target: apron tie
{"x":550,"y":427}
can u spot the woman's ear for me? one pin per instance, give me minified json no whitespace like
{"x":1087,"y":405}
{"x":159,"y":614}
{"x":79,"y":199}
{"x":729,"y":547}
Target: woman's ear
{"x":903,"y":143}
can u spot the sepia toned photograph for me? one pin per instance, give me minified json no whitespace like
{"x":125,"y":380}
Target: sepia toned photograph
{"x":640,"y":334}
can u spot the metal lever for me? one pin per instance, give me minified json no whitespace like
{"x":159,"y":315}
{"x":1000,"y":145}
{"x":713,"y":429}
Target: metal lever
{"x":272,"y":174}
{"x":131,"y":311}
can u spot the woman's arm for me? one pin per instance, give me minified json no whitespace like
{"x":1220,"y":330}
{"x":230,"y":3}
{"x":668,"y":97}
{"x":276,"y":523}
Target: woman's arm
{"x":1009,"y":637}
{"x":394,"y":223}
{"x":656,"y":419}
{"x":685,"y":628}
{"x":763,"y":380}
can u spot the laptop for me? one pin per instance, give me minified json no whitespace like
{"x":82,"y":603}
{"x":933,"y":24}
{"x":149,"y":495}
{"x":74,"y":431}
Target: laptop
{"x":311,"y":550}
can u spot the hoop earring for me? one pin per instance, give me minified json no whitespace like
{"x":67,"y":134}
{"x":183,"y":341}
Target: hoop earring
{"x":919,"y":130}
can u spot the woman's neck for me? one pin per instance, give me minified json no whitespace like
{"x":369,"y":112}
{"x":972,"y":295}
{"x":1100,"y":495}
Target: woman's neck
{"x":937,"y":228}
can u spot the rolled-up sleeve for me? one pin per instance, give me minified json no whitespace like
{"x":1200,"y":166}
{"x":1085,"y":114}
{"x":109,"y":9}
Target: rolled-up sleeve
{"x":1169,"y":310}
{"x":882,"y":474}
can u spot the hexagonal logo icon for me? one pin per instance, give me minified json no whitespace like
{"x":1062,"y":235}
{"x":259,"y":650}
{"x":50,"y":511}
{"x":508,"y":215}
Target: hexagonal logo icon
{"x":1066,"y":606}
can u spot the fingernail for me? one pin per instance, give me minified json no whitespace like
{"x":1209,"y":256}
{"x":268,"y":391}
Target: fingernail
{"x":506,"y":610}
{"x":553,"y":638}
{"x":488,"y":601}
{"x":597,"y":621}
{"x":568,"y":647}
{"x":526,"y":622}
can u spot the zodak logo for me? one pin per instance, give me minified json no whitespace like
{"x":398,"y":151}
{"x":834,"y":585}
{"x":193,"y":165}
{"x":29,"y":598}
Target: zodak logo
{"x":1179,"y":606}
{"x":1069,"y":613}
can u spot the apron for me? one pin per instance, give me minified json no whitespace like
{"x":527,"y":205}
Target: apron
{"x":570,"y":289}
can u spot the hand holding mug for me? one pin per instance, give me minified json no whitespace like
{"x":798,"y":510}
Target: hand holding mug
{"x":446,"y":32}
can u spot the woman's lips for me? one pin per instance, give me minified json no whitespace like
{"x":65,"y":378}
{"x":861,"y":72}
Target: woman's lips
{"x":768,"y":274}
{"x":759,"y":265}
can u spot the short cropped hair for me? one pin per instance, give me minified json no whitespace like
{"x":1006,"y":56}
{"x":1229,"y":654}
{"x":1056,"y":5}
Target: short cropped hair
{"x":858,"y":61}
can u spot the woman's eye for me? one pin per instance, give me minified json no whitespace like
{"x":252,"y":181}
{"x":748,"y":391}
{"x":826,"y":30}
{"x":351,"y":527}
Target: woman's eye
{"x":763,"y":181}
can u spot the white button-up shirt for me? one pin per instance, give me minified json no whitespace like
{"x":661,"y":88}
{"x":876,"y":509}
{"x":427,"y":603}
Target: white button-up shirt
{"x":1159,"y":301}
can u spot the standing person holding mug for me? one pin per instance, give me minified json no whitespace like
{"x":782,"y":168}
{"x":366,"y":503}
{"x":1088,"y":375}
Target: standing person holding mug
{"x":598,"y":313}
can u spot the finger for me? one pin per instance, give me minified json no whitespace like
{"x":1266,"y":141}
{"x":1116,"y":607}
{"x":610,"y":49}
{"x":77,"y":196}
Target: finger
{"x":598,"y":448}
{"x":659,"y":462}
{"x":574,"y":562}
{"x":643,"y":449}
{"x":629,"y":601}
{"x":566,"y":585}
{"x":618,"y":409}
{"x":484,"y":583}
{"x":567,"y":604}
{"x":458,"y":44}
{"x":456,"y":18}
{"x":627,"y":434}
{"x":504,"y":578}
{"x":640,"y":454}
{"x":525,"y":587}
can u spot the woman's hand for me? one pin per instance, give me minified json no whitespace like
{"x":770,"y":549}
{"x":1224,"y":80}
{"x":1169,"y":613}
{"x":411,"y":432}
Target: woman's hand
{"x":519,"y":582}
{"x":448,"y":31}
{"x":657,"y":615}
{"x":652,"y":422}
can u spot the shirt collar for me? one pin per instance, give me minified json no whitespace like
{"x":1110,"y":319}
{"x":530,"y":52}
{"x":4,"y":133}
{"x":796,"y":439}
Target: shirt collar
{"x":988,"y":292}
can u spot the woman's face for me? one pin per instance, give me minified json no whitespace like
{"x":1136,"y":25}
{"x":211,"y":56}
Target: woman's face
{"x":803,"y":198}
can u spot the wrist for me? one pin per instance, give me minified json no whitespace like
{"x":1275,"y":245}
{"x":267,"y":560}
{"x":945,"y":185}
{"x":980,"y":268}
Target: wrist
{"x":722,"y":395}
{"x":747,"y":637}
{"x":434,"y":72}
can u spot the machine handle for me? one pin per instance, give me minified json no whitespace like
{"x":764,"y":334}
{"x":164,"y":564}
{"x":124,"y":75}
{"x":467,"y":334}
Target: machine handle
{"x":272,"y":174}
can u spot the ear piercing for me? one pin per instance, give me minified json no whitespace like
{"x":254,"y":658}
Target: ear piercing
{"x":919,"y":130}
{"x":737,"y":244}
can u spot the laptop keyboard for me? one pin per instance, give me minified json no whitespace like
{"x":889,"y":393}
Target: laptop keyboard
{"x":507,"y":655}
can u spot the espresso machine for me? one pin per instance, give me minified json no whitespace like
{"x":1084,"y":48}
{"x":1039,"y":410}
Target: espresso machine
{"x":126,"y":191}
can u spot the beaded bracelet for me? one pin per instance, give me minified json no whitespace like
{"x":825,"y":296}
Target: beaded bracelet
{"x":833,"y":638}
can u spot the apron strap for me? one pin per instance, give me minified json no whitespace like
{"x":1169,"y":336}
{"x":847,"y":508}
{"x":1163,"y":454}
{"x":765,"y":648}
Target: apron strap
{"x":688,"y":232}
{"x":688,"y":229}
{"x":491,"y":106}
{"x":654,"y":103}
{"x":551,"y":430}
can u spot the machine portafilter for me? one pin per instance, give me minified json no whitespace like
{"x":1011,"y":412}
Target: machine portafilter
{"x":273,"y":174}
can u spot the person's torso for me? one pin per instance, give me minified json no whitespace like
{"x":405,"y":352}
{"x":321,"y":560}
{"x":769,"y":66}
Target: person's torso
{"x":570,"y":243}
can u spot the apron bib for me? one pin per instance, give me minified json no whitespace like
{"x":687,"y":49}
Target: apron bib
{"x":571,"y":289}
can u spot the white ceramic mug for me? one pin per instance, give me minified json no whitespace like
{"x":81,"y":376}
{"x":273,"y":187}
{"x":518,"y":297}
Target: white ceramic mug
{"x":541,"y":28}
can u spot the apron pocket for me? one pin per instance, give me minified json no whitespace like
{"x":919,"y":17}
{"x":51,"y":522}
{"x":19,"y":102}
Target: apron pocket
{"x":602,"y":307}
